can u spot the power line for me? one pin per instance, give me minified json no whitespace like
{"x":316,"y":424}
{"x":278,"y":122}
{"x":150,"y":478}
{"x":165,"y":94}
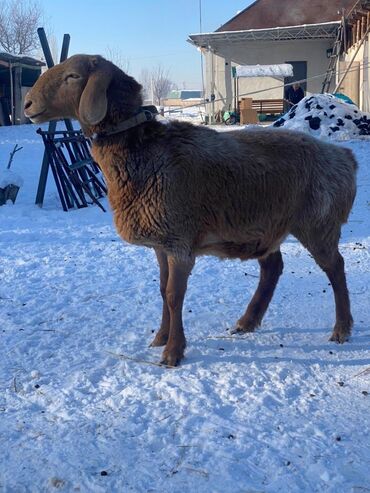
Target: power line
{"x":200,"y":16}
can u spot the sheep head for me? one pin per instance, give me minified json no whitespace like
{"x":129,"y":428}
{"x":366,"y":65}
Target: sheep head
{"x":88,"y":88}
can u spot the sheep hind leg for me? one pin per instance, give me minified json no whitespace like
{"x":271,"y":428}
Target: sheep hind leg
{"x":178,"y":274}
{"x":344,"y":321}
{"x":161,"y":337}
{"x":326,"y":254}
{"x":271,"y":268}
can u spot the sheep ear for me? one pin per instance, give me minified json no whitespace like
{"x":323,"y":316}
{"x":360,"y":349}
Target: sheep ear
{"x":93,"y":102}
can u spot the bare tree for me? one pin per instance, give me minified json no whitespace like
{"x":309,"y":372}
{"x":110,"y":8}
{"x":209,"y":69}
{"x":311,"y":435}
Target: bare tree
{"x":19,"y":20}
{"x":145,"y":80}
{"x":161,"y":84}
{"x":156,"y":84}
{"x":115,"y":55}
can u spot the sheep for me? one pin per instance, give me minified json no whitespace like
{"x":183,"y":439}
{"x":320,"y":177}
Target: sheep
{"x":187,"y":190}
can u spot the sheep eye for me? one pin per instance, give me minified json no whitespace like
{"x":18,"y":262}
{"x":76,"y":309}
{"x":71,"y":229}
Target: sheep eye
{"x":72,"y":76}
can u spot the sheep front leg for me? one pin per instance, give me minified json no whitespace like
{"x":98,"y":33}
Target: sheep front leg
{"x":161,"y":337}
{"x":178,"y":274}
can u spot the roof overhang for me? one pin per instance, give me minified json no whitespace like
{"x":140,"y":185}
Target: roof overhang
{"x":20,"y":60}
{"x":212,"y":41}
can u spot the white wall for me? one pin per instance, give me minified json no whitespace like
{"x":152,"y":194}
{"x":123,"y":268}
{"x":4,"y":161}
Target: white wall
{"x":360,"y":59}
{"x":263,"y":53}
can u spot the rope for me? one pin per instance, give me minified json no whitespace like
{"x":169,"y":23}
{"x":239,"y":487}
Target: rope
{"x":280,"y":86}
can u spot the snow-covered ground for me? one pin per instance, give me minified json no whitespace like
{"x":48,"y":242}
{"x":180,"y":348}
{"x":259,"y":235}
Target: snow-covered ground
{"x":280,"y":410}
{"x":193,"y":114}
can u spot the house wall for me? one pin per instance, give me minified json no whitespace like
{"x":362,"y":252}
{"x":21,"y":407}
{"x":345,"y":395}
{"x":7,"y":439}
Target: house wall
{"x":358,"y":80}
{"x":181,"y":102}
{"x":351,"y":84}
{"x":218,"y":67}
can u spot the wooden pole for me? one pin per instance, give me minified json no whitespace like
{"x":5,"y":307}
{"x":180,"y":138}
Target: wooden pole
{"x":212,"y":88}
{"x":65,"y":47}
{"x":40,"y":194}
{"x":11,"y":92}
{"x":45,"y":47}
{"x":344,"y":27}
{"x":353,"y":59}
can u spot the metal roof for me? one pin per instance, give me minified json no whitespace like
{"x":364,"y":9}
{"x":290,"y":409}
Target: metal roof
{"x":264,"y":14}
{"x":184,"y":94}
{"x":325,"y":30}
{"x":20,"y":59}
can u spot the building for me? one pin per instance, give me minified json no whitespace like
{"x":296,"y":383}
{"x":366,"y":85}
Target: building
{"x":297,"y":32}
{"x":182,"y":97}
{"x":355,"y":55}
{"x":17,"y":74}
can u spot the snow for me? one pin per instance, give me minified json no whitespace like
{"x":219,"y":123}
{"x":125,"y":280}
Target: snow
{"x":193,"y":114}
{"x":8,"y":177}
{"x":281,"y":70}
{"x":280,"y":410}
{"x":326,"y":116}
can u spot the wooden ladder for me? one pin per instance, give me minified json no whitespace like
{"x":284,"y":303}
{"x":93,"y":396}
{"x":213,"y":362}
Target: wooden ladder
{"x":334,"y":57}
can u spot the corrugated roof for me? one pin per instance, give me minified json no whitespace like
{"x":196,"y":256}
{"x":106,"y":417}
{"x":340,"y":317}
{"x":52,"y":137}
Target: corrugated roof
{"x":264,"y":14}
{"x":22,"y":59}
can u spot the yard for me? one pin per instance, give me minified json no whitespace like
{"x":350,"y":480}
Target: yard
{"x":84,"y":407}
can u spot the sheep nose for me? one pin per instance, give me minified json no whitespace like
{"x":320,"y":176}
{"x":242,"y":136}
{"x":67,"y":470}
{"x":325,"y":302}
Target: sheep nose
{"x":27,"y":104}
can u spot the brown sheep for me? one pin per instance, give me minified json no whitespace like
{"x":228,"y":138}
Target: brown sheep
{"x":187,"y":190}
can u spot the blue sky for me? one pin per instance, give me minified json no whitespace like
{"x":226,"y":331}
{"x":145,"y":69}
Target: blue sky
{"x":146,"y":32}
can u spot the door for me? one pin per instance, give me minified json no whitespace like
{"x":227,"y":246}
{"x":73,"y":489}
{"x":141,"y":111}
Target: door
{"x":299,"y":73}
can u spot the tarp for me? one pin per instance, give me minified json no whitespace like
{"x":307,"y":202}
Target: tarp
{"x":281,"y":70}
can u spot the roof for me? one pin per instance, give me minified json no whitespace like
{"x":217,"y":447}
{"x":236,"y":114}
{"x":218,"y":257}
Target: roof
{"x":263,"y":14}
{"x":215,"y":40}
{"x":184,"y":94}
{"x":20,"y":59}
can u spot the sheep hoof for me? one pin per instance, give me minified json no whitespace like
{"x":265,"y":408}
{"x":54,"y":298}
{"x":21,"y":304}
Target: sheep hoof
{"x":242,"y":328}
{"x":341,"y":332}
{"x":160,"y":339}
{"x":172,"y":358}
{"x":339,"y":338}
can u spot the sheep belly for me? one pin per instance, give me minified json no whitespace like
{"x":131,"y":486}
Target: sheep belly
{"x":257,"y":248}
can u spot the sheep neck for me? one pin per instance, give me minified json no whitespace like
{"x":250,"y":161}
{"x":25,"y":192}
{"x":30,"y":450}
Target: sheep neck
{"x":142,"y":116}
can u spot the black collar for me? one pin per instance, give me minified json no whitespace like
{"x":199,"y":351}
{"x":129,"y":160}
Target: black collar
{"x":144,"y":115}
